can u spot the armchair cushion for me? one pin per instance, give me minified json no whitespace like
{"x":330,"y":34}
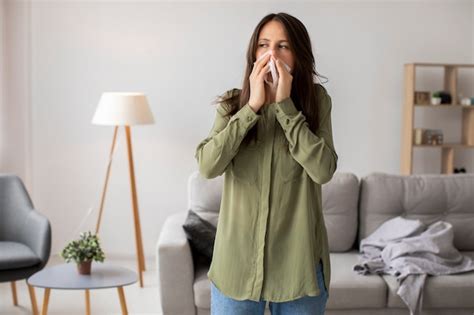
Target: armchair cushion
{"x":16,"y":256}
{"x":20,"y":222}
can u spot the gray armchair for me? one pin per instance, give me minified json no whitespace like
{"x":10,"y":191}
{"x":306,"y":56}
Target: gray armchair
{"x":25,"y":236}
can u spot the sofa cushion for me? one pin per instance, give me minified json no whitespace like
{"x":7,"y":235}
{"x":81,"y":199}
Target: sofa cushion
{"x":447,"y":291}
{"x":200,"y":233}
{"x":15,"y":256}
{"x":340,"y":198}
{"x":349,"y":289}
{"x":204,"y":194}
{"x":427,"y":197}
{"x":210,"y":216}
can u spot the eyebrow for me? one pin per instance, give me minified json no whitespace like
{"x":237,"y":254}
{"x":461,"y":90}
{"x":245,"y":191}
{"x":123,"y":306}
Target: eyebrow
{"x":280,"y":41}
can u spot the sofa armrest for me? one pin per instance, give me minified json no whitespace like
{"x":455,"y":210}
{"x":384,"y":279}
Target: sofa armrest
{"x":175,"y":268}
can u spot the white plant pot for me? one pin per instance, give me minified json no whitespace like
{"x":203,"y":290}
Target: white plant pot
{"x":436,"y":100}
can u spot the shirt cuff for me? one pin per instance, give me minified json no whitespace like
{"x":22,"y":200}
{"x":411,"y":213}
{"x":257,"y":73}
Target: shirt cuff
{"x":246,"y":115}
{"x":286,"y":107}
{"x":285,"y":110}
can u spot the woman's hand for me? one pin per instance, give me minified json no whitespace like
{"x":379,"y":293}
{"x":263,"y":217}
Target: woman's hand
{"x":257,"y":88}
{"x":284,"y":82}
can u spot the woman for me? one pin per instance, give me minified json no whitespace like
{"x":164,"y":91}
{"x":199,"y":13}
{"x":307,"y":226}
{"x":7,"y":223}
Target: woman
{"x":273,"y":141}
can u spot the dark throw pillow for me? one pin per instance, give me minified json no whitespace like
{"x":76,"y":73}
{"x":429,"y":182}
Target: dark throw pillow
{"x":201,"y":235}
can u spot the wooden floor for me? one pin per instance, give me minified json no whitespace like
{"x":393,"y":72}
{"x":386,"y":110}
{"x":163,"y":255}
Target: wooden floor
{"x":140,"y":301}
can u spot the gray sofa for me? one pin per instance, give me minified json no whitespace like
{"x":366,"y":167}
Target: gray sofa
{"x":353,"y":208}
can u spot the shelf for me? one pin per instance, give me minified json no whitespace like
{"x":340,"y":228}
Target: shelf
{"x":466,"y":124}
{"x":445,"y":145}
{"x":428,"y":64}
{"x":446,"y":106}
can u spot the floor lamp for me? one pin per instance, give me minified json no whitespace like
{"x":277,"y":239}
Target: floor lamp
{"x":124,"y":109}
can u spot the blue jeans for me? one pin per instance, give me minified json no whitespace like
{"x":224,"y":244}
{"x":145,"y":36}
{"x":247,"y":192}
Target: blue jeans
{"x":307,"y":305}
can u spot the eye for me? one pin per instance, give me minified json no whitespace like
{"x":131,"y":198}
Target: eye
{"x":262,"y":45}
{"x":284,"y":46}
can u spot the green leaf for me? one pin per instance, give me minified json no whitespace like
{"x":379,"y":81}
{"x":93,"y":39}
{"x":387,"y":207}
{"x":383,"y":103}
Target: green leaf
{"x":87,"y":247}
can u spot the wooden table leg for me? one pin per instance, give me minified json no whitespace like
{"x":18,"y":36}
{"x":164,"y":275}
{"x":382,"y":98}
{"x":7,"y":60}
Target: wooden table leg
{"x":123,"y":304}
{"x":15,"y":298}
{"x":34,"y":305}
{"x":47,"y":291}
{"x":88,"y":302}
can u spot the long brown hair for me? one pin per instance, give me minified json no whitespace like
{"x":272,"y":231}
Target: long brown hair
{"x":303,"y":90}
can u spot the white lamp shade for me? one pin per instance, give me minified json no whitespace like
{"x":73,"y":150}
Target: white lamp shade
{"x":121,"y":108}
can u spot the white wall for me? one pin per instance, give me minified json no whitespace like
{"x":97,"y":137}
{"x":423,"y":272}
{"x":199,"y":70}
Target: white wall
{"x":182,"y":55}
{"x":2,"y":80}
{"x":15,"y":121}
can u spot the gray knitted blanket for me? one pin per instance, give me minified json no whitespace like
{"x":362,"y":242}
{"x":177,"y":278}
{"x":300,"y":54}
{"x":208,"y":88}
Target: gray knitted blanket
{"x":411,"y":250}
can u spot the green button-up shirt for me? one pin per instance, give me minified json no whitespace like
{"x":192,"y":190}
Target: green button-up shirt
{"x":271,"y":232}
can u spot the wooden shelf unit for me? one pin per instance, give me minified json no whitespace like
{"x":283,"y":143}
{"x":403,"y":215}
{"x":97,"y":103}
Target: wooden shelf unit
{"x":467,"y":124}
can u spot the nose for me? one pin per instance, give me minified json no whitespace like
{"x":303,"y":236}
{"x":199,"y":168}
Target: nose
{"x":272,"y":52}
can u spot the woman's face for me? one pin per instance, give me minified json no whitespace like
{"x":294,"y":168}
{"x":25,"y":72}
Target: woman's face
{"x":273,"y":37}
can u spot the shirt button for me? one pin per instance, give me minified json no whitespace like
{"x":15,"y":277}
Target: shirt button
{"x":249,"y":118}
{"x":287,"y":121}
{"x":277,"y":110}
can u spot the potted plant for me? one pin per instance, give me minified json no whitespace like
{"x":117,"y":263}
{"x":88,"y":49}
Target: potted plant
{"x":436,"y":98}
{"x":83,"y":251}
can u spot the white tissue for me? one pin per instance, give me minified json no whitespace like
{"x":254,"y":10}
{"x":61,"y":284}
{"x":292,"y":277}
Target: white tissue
{"x":273,"y":70}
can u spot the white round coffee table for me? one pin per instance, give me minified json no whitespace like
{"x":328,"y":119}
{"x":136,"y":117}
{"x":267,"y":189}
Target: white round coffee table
{"x":66,"y":277}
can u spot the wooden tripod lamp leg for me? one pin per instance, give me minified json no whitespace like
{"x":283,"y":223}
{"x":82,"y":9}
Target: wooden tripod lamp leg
{"x":136,"y":215}
{"x":104,"y":191}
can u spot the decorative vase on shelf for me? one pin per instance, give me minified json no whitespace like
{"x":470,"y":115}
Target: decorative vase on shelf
{"x":418,"y":136}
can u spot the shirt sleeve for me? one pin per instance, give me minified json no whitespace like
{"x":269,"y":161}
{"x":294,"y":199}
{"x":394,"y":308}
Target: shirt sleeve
{"x":313,"y":151}
{"x":215,"y":152}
